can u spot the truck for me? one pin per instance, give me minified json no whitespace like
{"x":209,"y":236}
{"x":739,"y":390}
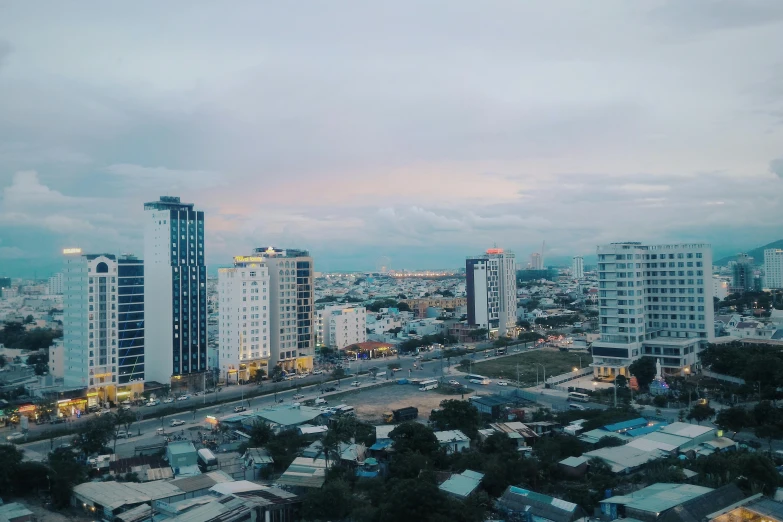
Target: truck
{"x":401,"y":415}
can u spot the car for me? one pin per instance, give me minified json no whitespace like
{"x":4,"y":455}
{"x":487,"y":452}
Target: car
{"x":330,"y":389}
{"x":177,"y":422}
{"x":355,"y":383}
{"x":125,"y":408}
{"x":183,"y":397}
{"x":320,"y":400}
{"x":502,"y":383}
{"x":317,"y":372}
{"x":239,"y":409}
{"x":126,"y":402}
{"x":298,"y":396}
{"x":153,"y":402}
{"x":454,"y":383}
{"x":102,"y":412}
{"x":17,"y":435}
{"x":160,"y":431}
{"x":168,"y":400}
{"x":122,"y":434}
{"x":302,"y":376}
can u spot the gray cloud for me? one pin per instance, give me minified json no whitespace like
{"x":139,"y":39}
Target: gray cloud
{"x":776,"y":167}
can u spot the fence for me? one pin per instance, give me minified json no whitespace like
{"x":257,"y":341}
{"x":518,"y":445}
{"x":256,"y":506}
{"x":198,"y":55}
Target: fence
{"x":557,"y":379}
{"x":722,"y":377}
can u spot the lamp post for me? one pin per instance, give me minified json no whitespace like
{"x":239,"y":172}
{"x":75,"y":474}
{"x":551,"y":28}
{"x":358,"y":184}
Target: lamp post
{"x":544,"y":367}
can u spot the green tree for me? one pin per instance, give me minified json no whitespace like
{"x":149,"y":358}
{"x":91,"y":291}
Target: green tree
{"x":276,"y":374}
{"x":333,"y":501}
{"x":769,"y":422}
{"x":260,"y":434}
{"x":478,"y":334}
{"x":644,"y":370}
{"x":607,"y":441}
{"x":621,"y":381}
{"x":94,"y":434}
{"x":123,"y":420}
{"x":701,"y":413}
{"x":414,"y":437}
{"x":457,"y":415}
{"x":733,"y":419}
{"x":66,"y":472}
{"x":338,"y":373}
{"x":11,"y":457}
{"x":258,"y":375}
{"x":660,"y":401}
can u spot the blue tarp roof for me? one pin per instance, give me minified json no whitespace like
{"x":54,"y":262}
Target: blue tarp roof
{"x":381,"y":445}
{"x":626,"y":425}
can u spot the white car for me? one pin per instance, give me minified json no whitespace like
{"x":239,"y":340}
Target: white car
{"x":298,"y":396}
{"x":183,"y":397}
{"x":122,"y":434}
{"x":502,"y":383}
{"x":302,"y":376}
{"x":454,"y":383}
{"x":168,"y":400}
{"x":126,"y":402}
{"x":15,"y":436}
{"x":355,"y":383}
{"x":153,"y":402}
{"x":317,"y":372}
{"x":177,"y":422}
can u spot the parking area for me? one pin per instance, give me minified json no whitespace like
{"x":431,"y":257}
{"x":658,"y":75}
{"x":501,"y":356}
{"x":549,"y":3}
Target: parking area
{"x":371,"y":403}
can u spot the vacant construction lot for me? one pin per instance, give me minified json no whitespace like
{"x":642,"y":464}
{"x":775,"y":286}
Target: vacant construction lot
{"x":529,"y":365}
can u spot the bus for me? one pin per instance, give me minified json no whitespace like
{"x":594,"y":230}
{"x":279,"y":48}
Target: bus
{"x":428,"y":385}
{"x":207,"y":460}
{"x":477,"y":379}
{"x":576,"y":396}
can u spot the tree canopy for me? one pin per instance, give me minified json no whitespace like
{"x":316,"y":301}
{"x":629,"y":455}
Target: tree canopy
{"x":644,"y":369}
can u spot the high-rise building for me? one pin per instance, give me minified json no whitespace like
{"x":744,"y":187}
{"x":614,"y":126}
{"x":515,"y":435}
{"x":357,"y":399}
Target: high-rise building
{"x":175,"y":277}
{"x":742,"y":274}
{"x":340,"y":326}
{"x":56,"y":284}
{"x":654,"y":300}
{"x":578,"y":267}
{"x":491,"y":286}
{"x":130,"y":319}
{"x":292,"y":309}
{"x":536,"y":261}
{"x":90,"y":328}
{"x":773,"y":268}
{"x":244,"y":305}
{"x":720,"y":287}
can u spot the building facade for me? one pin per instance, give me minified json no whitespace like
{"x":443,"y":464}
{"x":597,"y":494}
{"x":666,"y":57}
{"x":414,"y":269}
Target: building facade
{"x":130,"y":320}
{"x":55,"y":286}
{"x":742,"y":274}
{"x":244,"y":304}
{"x":340,"y":326}
{"x":90,"y":327}
{"x":536,"y":261}
{"x":773,"y":268}
{"x":653,"y":300}
{"x":720,"y":287}
{"x":175,"y":273}
{"x":292,"y":308}
{"x":491,"y":286}
{"x":578,"y":267}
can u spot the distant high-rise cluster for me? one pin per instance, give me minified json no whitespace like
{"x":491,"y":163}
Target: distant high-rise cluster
{"x":773,"y":268}
{"x":742,"y":274}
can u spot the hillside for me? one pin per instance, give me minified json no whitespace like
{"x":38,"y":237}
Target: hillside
{"x":757,"y":254}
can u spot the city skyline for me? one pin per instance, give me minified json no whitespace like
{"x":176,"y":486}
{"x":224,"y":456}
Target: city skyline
{"x":531,"y":122}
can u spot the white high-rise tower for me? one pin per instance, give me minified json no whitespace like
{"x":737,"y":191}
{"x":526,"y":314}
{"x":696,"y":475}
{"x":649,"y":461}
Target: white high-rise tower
{"x":491,"y":285}
{"x":578,"y":267}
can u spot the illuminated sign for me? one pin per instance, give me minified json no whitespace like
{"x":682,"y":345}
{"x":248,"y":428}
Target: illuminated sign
{"x":26,"y":408}
{"x":248,"y":259}
{"x":72,"y":251}
{"x":494,"y":251}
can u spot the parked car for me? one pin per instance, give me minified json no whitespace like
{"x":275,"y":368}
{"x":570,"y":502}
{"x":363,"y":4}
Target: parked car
{"x":177,"y":422}
{"x":160,"y":431}
{"x":122,"y":434}
{"x":317,"y":372}
{"x":17,"y":435}
{"x":298,"y":396}
{"x":239,"y":409}
{"x":125,"y":408}
{"x":126,"y":402}
{"x":320,"y":400}
{"x":302,"y":376}
{"x":183,"y":397}
{"x":454,"y":383}
{"x":355,"y":383}
{"x":502,"y":383}
{"x":168,"y":400}
{"x":330,"y":389}
{"x":153,"y":402}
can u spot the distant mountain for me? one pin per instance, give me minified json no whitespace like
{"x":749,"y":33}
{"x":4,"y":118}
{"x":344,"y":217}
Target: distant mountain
{"x":757,"y":254}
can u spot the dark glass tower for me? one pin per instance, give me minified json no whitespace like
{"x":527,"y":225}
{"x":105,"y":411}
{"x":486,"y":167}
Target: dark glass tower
{"x":130,"y":319}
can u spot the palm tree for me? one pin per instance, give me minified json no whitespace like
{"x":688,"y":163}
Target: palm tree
{"x":330,"y":449}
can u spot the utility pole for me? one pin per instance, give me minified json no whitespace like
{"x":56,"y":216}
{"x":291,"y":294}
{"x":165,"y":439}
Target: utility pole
{"x":204,"y":386}
{"x":615,"y":391}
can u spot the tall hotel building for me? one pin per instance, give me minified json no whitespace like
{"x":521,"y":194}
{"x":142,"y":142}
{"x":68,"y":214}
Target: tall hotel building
{"x":578,"y":267}
{"x":491,"y":285}
{"x":103,"y":331}
{"x":175,"y":279}
{"x":291,"y":307}
{"x":654,"y":300}
{"x":244,"y":304}
{"x":773,"y":268}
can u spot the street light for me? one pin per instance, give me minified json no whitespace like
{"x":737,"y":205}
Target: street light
{"x":544,"y":367}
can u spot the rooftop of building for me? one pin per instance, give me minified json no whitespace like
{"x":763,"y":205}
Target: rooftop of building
{"x":167,"y":202}
{"x":181,"y":448}
{"x":657,"y":498}
{"x":451,"y":436}
{"x":462,"y":484}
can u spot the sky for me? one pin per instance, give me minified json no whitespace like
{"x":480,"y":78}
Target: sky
{"x":418,"y":131}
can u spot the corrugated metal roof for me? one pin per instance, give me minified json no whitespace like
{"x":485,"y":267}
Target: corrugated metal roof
{"x":657,"y":498}
{"x":684,"y":429}
{"x":462,"y":484}
{"x":626,"y":425}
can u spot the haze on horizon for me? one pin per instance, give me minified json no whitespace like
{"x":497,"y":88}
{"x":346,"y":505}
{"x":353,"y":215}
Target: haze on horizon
{"x":420,"y":131}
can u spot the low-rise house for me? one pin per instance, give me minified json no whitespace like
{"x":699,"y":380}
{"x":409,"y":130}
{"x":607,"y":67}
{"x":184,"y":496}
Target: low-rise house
{"x":574,"y":467}
{"x":516,"y":502}
{"x":462,"y":485}
{"x":516,"y":431}
{"x":15,"y":512}
{"x":755,"y":507}
{"x":453,"y":440}
{"x":670,"y":502}
{"x":182,"y":458}
{"x":491,"y":406}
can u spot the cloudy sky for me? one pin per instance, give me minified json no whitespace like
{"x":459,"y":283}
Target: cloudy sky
{"x":417,"y":130}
